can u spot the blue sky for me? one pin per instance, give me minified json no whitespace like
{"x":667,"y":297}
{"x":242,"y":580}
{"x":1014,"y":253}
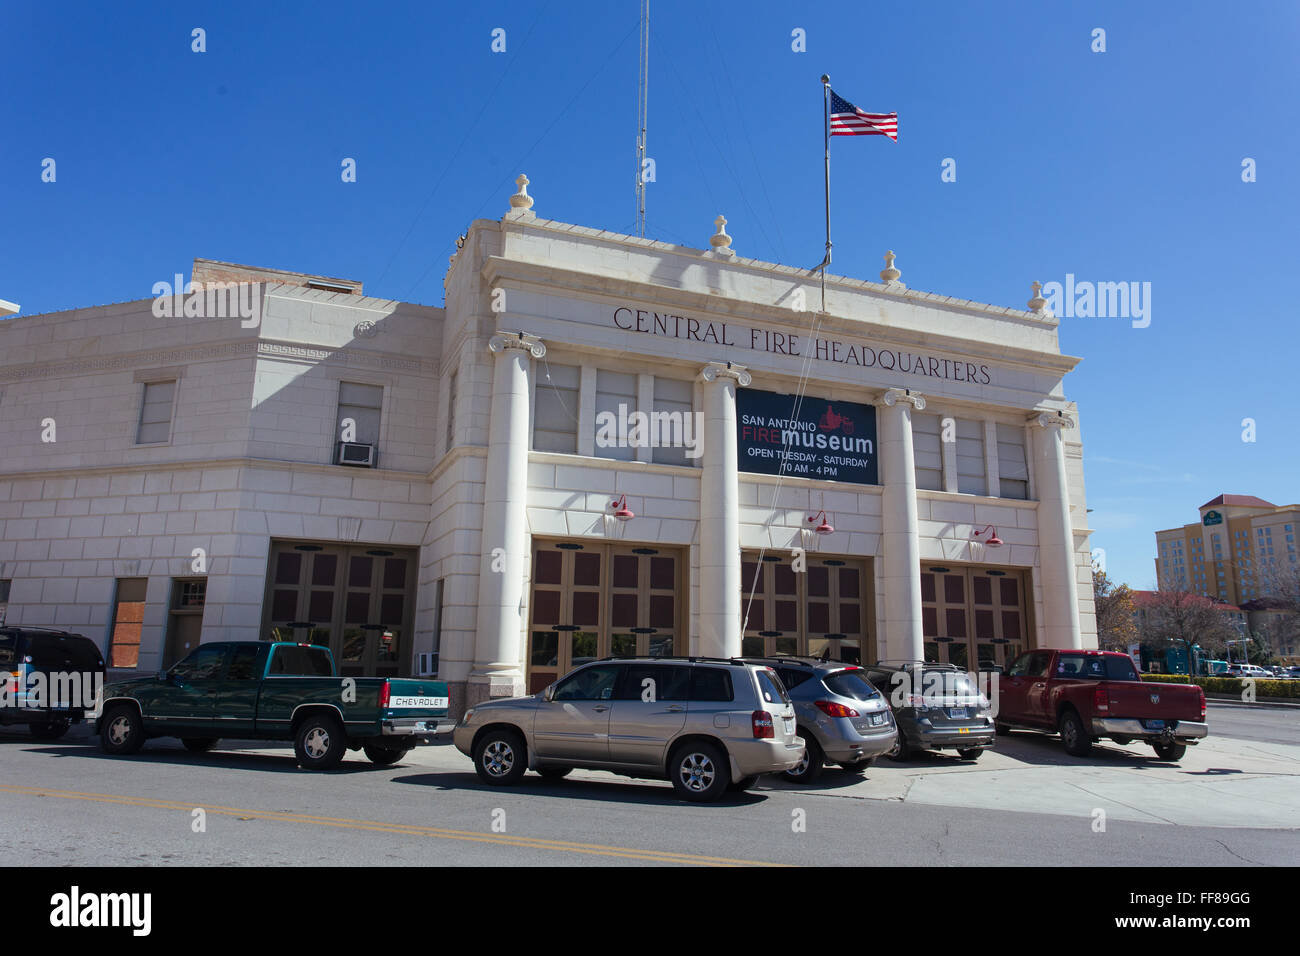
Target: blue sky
{"x":1117,"y":166}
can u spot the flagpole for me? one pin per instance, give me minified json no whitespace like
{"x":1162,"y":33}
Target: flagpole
{"x":826,"y":97}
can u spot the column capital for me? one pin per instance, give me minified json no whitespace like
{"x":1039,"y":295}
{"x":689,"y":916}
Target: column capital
{"x":715,"y":370}
{"x":893,"y":396}
{"x":1052,"y":419}
{"x":517,"y":340}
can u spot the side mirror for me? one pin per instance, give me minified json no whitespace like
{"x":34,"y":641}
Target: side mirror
{"x":549,"y":694}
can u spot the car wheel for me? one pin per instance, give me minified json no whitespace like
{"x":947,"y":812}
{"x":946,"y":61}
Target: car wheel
{"x":743,"y":784}
{"x":1075,"y":737}
{"x":1002,"y":730}
{"x":50,"y":730}
{"x":320,"y":742}
{"x":902,"y":751}
{"x":700,"y":771}
{"x":555,"y":773}
{"x":500,"y":757}
{"x":1170,"y":751}
{"x":970,"y":753}
{"x":199,"y":745}
{"x":810,"y":766}
{"x":121,"y":731}
{"x":384,"y":755}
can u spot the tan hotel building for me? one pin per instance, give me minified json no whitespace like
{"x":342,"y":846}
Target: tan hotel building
{"x":204,"y":485}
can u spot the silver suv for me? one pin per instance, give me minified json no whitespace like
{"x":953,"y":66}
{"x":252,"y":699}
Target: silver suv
{"x":708,"y":725}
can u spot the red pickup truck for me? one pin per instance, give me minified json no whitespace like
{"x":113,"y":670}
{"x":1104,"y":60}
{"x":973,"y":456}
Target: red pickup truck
{"x":1088,"y":695}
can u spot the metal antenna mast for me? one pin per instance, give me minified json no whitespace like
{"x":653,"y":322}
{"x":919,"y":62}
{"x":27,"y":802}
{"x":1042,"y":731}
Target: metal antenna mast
{"x":643,"y":96}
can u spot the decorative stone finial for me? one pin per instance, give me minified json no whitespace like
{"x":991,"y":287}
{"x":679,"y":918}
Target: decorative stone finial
{"x":1037,"y":303}
{"x":720,"y":241}
{"x":521,"y":202}
{"x":889,"y":273}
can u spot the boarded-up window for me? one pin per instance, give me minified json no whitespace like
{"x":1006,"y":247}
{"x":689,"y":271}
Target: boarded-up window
{"x":615,"y":403}
{"x":927,"y":448}
{"x":128,"y":618}
{"x":1013,"y":471}
{"x":156,"y":413}
{"x":555,"y":418}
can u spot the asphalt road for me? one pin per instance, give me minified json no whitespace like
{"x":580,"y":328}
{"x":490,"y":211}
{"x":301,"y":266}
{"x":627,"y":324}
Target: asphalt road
{"x":1279,"y":725}
{"x":66,"y":803}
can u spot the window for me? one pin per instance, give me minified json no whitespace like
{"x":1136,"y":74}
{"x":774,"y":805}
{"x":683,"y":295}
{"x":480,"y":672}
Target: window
{"x":204,"y":663}
{"x":770,"y":687}
{"x":710,"y":684}
{"x":242,"y":663}
{"x":591,"y":683}
{"x":128,"y":618}
{"x":1013,"y":469}
{"x":671,"y":423}
{"x":555,"y":418}
{"x":451,"y":411}
{"x":361,"y":404}
{"x":299,"y":661}
{"x":156,"y":413}
{"x":616,"y":396}
{"x":4,"y":599}
{"x":927,"y":450}
{"x":654,"y":682}
{"x":970,"y":458}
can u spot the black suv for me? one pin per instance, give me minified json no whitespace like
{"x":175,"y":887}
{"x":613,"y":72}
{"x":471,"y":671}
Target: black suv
{"x":48,"y":679}
{"x":937,"y":707}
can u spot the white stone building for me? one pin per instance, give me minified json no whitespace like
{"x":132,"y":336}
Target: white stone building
{"x":171,"y":478}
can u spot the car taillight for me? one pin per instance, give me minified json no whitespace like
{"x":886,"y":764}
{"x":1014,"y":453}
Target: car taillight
{"x":1101,"y":698}
{"x":832,"y":709}
{"x":762,"y":722}
{"x":1201,"y":691}
{"x":383,"y":696}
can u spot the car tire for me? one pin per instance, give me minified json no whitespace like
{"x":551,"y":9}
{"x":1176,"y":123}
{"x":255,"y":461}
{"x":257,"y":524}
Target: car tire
{"x":554,"y":773}
{"x":810,"y":767}
{"x":199,"y":745}
{"x":700,"y":771}
{"x":500,"y":757}
{"x":383,"y":756}
{"x":743,"y":784}
{"x":49,"y":730}
{"x":1074,"y":735}
{"x":901,"y":752}
{"x":320,"y":742}
{"x":1170,"y":751}
{"x":121,"y":732}
{"x":970,"y":753}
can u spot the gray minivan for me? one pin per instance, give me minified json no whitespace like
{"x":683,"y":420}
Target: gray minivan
{"x":709,"y":725}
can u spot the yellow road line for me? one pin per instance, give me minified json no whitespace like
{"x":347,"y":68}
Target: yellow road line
{"x":534,"y":843}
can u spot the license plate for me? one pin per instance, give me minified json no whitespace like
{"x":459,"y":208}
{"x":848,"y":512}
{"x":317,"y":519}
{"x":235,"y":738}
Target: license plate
{"x":957,"y":713}
{"x":963,"y":730}
{"x":789,"y":724}
{"x":1155,"y":725}
{"x":877,"y":720}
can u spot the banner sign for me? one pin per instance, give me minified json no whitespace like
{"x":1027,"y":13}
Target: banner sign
{"x":833,"y":441}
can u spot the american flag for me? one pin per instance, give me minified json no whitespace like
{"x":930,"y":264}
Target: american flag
{"x":848,"y":120}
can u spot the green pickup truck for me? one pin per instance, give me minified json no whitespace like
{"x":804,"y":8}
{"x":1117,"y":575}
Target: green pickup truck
{"x":262,"y":690}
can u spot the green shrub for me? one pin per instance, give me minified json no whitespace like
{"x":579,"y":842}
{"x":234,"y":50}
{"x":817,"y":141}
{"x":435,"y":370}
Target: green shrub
{"x":1231,"y":685}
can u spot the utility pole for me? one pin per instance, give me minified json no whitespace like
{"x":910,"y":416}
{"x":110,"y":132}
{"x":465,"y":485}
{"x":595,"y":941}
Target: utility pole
{"x":643,"y":95}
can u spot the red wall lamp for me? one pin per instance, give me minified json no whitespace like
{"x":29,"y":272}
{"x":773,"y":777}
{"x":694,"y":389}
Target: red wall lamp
{"x":621,"y":511}
{"x":825,"y":526}
{"x":993,"y":541}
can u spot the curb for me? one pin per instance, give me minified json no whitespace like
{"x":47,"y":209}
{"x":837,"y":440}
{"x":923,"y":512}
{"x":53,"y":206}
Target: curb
{"x":1272,"y":703}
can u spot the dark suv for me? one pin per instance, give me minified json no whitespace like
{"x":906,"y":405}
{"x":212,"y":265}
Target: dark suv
{"x":937,"y":707}
{"x":841,"y":717}
{"x":49,"y":679}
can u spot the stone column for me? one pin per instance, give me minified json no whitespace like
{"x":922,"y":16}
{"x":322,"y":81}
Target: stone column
{"x":498,"y":656}
{"x":1056,"y":556}
{"x":900,"y":575}
{"x":720,"y":584}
